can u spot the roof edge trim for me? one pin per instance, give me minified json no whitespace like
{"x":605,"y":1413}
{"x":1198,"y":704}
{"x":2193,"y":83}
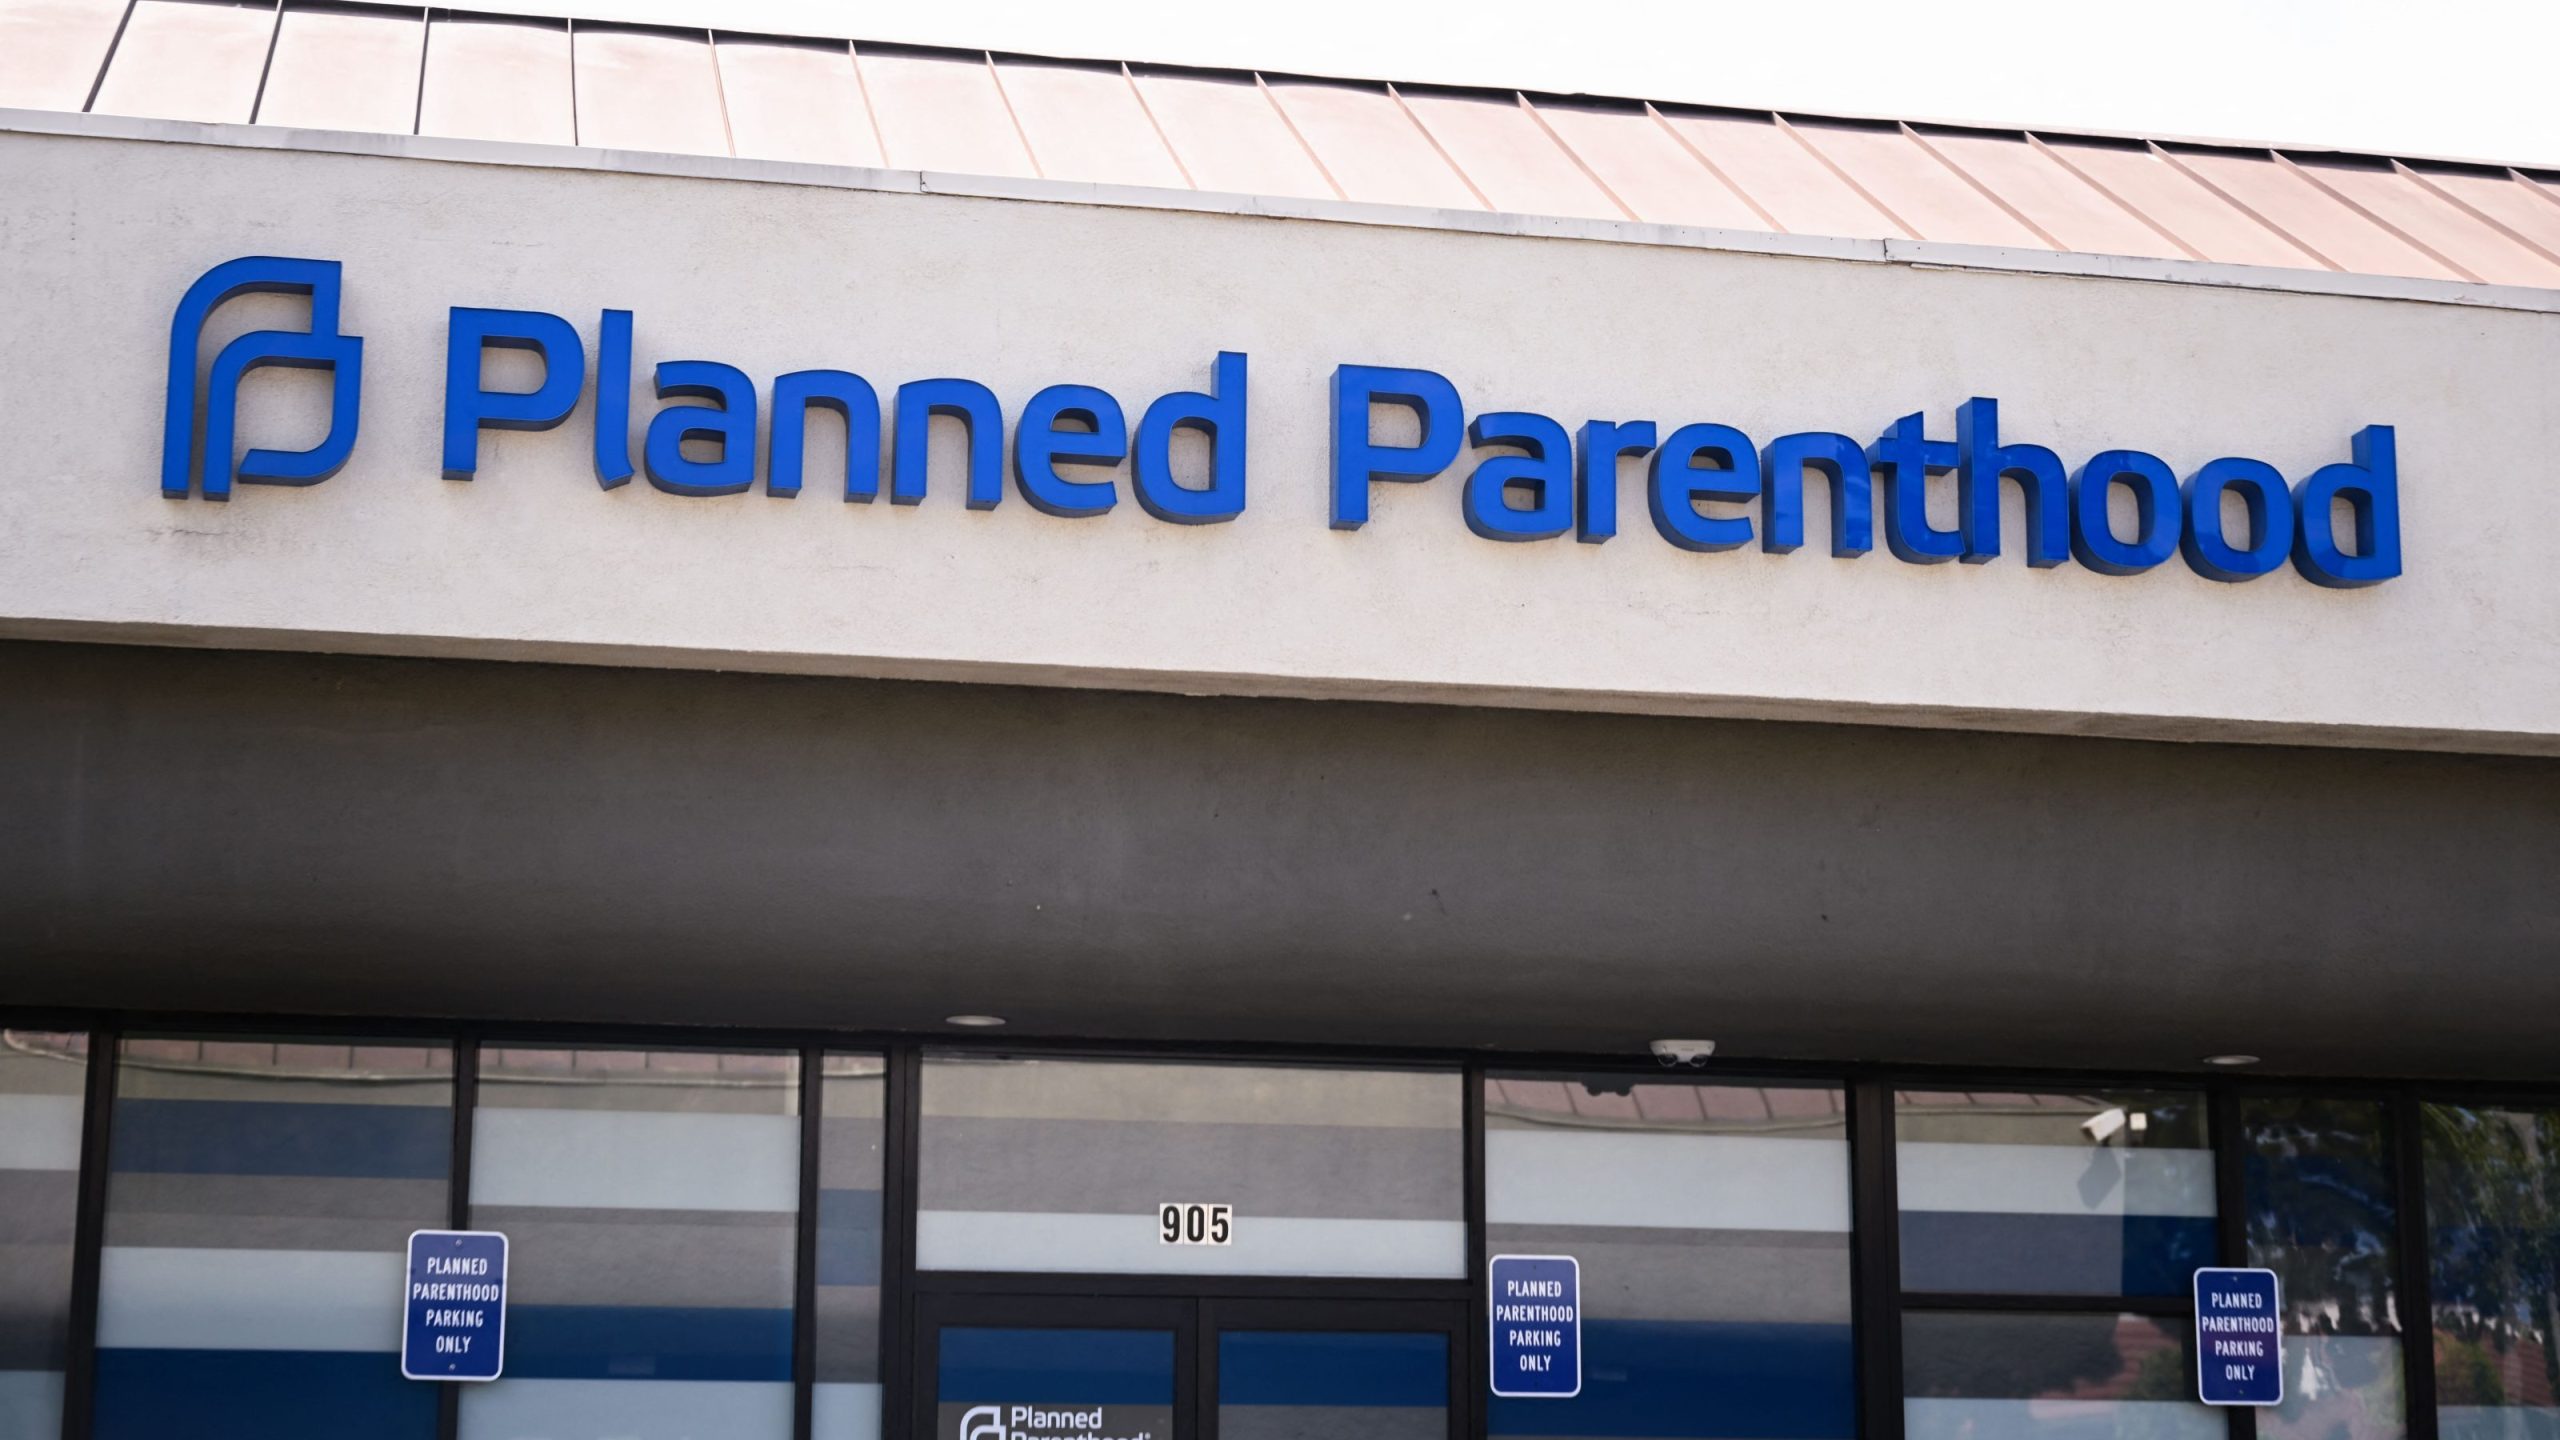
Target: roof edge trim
{"x":1915,"y":253}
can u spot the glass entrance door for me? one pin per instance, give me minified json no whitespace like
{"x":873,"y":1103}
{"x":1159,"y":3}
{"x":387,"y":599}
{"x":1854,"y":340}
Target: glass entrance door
{"x":1053,"y":1368}
{"x":1332,"y":1369}
{"x":993,"y":1367}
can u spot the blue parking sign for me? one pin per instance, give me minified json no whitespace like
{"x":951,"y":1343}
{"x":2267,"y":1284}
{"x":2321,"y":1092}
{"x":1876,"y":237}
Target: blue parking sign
{"x":1537,"y":1326}
{"x":456,"y":1306}
{"x":2239,"y":1338}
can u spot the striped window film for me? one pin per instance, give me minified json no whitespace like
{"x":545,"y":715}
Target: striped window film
{"x":2100,"y":1376}
{"x":259,"y":1201}
{"x":2323,"y":1214}
{"x":853,"y":1100}
{"x":650,"y":1199}
{"x":1059,"y":1165}
{"x":1712,"y":1227}
{"x":2088,"y":1193}
{"x":42,"y":1076}
{"x":2493,"y":1261}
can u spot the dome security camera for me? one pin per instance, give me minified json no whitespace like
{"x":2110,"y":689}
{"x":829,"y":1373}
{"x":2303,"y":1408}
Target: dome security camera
{"x":1683,"y":1052}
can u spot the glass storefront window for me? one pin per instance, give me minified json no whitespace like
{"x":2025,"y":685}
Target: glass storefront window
{"x":1711,"y":1223}
{"x":852,"y":1102}
{"x":2087,"y":1193}
{"x":2493,"y":1231}
{"x":260,"y":1196}
{"x":2098,"y":1376}
{"x":2323,"y":1215}
{"x":1061,"y":1165}
{"x":651,"y":1202}
{"x":42,"y":1079}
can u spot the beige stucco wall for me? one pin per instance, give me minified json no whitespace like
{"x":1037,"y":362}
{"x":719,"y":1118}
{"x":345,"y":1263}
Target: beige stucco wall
{"x":99,"y":236}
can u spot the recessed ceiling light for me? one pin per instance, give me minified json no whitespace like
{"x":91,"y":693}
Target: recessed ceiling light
{"x":974,"y":1022}
{"x":2231,"y":1059}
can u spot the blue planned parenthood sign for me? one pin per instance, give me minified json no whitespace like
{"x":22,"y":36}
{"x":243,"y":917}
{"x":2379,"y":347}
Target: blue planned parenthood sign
{"x":456,"y":1326}
{"x":1537,"y":1326}
{"x":2239,"y":1338}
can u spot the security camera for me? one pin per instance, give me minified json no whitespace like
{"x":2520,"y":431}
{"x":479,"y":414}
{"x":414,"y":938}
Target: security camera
{"x":2102,"y":1126}
{"x":1683,"y":1052}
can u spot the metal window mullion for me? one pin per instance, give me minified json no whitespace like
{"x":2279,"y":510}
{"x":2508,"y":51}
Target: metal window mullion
{"x":1476,"y":1337}
{"x":1875,"y":1261}
{"x":2231,"y":1215}
{"x":88,"y":1234}
{"x":901,"y":1120}
{"x":804,"y":1267}
{"x":466,"y":1105}
{"x":2417,"y":1283}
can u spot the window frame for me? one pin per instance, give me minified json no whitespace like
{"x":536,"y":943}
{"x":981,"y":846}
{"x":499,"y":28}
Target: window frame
{"x":1877,"y":1301}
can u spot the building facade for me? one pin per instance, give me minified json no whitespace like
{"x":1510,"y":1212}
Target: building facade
{"x":1005,"y":748}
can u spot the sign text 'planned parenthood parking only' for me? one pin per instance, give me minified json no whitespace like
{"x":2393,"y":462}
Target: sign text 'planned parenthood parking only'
{"x":456,"y":1306}
{"x":1537,"y":1326}
{"x":2239,"y":1338}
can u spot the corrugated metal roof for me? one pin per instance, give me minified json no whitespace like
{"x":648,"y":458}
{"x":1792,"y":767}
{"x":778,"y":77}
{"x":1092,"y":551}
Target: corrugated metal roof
{"x":407,"y":69}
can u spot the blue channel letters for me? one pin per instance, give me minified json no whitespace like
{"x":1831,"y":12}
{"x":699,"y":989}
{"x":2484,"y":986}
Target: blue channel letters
{"x":1073,"y":451}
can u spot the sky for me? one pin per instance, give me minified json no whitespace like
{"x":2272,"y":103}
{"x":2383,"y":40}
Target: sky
{"x":2464,"y":79}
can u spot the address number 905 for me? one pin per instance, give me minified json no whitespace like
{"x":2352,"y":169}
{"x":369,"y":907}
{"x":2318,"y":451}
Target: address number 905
{"x":1191,"y":1223}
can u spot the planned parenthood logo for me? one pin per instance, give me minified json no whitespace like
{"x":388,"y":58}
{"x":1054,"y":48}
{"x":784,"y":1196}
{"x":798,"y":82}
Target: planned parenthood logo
{"x":197,"y":441}
{"x":983,"y":1422}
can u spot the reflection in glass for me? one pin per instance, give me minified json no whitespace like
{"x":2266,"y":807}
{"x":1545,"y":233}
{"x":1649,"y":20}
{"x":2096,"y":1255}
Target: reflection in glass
{"x":42,"y":1077}
{"x":2493,"y":1182}
{"x":651,"y":1198}
{"x":2323,"y":1216}
{"x":1712,"y":1226}
{"x":2050,"y":1377}
{"x":260,"y":1196}
{"x":1059,"y":1165}
{"x":2084,"y":1193}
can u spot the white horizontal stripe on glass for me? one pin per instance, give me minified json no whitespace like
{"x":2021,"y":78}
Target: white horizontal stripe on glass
{"x":2059,"y":1420}
{"x":2053,"y":1179}
{"x":635,"y":1160}
{"x":175,"y":1299}
{"x":31,"y":1402}
{"x":1692,"y":1182}
{"x":841,"y":1411}
{"x":39,"y":1132}
{"x":627,"y":1410}
{"x":1130,"y":1244}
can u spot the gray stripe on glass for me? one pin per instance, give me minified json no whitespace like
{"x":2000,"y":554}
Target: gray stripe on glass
{"x":1777,"y":1277}
{"x":644,"y":1257}
{"x":36,"y":1206}
{"x":270,"y":1212}
{"x":35,"y":1305}
{"x":1103,"y":1167}
{"x":1333,"y":1422}
{"x":849,"y":1333}
{"x":849,"y":1154}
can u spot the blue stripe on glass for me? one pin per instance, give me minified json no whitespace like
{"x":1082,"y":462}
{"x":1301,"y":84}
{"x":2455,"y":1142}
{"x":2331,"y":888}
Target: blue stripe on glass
{"x":2058,"y":1254}
{"x":266,"y":1137}
{"x":1710,"y":1379}
{"x":984,"y":1366}
{"x":1288,"y":1367}
{"x":848,"y":1237}
{"x":259,"y":1395}
{"x":647,"y":1342}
